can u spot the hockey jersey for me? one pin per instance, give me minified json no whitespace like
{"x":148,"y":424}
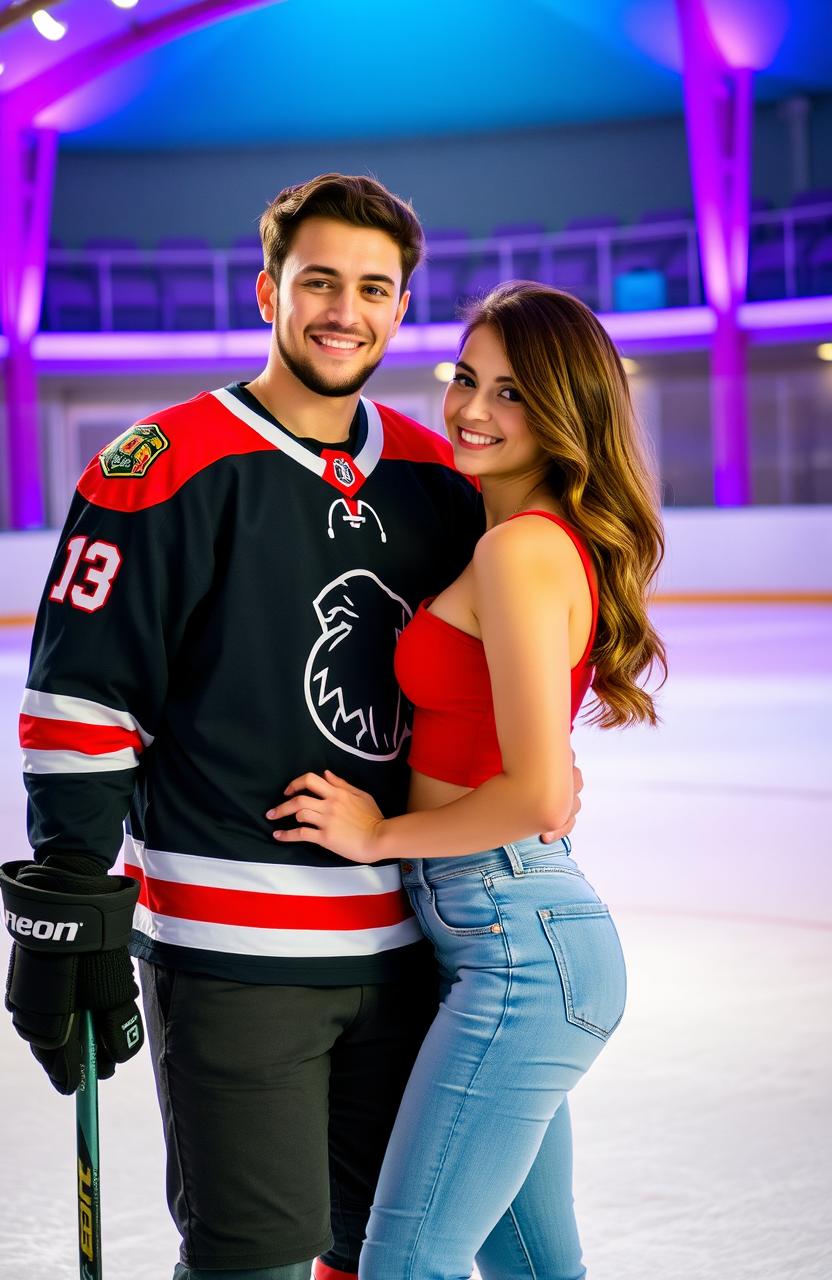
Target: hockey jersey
{"x":220,"y":616}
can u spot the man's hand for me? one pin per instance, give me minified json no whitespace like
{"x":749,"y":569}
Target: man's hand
{"x":70,"y":932}
{"x":549,"y":837}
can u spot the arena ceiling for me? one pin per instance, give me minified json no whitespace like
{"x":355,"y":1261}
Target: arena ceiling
{"x":299,"y":71}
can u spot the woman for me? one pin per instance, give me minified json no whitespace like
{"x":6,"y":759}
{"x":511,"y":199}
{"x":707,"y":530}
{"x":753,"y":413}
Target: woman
{"x":533,"y":982}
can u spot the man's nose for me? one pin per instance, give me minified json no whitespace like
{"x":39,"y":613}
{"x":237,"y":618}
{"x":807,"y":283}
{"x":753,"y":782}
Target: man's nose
{"x":343,"y":310}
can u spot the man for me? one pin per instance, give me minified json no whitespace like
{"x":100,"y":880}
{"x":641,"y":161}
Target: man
{"x":222,"y":613}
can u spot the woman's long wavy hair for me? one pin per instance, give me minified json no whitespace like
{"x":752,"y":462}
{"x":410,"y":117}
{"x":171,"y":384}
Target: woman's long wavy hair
{"x":578,"y":408}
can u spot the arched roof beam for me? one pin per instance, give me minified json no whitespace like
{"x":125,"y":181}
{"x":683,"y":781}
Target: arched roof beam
{"x":28,"y":100}
{"x":27,"y":162}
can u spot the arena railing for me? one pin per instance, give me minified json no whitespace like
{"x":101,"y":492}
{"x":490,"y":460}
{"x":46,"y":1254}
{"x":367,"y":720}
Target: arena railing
{"x":100,"y":289}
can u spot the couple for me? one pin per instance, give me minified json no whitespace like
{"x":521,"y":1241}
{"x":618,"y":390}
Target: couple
{"x":235,"y":580}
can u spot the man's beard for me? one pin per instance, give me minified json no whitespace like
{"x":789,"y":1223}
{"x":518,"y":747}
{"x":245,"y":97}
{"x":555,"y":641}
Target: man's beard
{"x":305,"y":372}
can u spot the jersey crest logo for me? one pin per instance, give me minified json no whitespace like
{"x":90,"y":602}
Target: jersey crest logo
{"x":133,"y":453}
{"x":343,"y":472}
{"x":349,"y":684}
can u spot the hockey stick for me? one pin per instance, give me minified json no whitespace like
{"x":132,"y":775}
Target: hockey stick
{"x":86,"y":1131}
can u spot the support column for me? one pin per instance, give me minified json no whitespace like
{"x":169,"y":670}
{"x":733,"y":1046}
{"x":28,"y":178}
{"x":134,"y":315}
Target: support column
{"x":718,"y":118}
{"x":27,"y":166}
{"x":729,"y":415}
{"x":26,"y":481}
{"x":27,"y":163}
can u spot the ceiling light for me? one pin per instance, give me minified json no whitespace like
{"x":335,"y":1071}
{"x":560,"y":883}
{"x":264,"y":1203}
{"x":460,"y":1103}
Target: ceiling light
{"x":629,"y":366}
{"x":444,"y":371}
{"x":48,"y":26}
{"x":125,"y":4}
{"x":825,"y":351}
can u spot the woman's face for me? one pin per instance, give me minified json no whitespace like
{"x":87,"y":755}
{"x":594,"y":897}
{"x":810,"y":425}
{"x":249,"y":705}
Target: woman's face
{"x":484,"y":413}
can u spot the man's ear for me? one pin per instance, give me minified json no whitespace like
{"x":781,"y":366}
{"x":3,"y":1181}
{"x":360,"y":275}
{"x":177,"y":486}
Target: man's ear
{"x":401,"y":310}
{"x":266,"y":296}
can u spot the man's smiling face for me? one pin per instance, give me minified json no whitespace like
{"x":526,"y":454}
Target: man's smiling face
{"x":337,"y":304}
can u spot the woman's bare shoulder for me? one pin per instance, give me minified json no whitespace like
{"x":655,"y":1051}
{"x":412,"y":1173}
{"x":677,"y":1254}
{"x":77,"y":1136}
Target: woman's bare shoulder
{"x":532,"y":544}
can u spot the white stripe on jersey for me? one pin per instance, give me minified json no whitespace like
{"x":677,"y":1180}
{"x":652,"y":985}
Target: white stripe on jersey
{"x":367,"y":458}
{"x":61,"y":706}
{"x":295,"y":944}
{"x":262,"y":877}
{"x":78,"y":761}
{"x":282,"y":440}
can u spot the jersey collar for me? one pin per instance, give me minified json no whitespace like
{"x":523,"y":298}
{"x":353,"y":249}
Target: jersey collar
{"x":348,"y":477}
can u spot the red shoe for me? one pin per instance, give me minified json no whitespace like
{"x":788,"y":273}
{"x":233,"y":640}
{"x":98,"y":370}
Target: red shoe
{"x":320,"y":1271}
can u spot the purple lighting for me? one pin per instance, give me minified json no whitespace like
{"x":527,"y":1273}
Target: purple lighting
{"x":27,"y":162}
{"x":718,"y":118}
{"x":115,"y":348}
{"x":712,"y":247}
{"x":787,"y":312}
{"x":790,"y":318}
{"x":97,"y":100}
{"x":66,"y":77}
{"x":748,"y":33}
{"x":415,"y":341}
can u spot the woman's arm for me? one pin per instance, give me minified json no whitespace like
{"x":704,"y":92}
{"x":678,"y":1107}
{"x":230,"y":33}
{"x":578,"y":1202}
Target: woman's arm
{"x":524,"y":576}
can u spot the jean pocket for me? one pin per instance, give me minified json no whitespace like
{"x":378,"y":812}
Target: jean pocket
{"x":590,"y":961}
{"x":464,"y":907}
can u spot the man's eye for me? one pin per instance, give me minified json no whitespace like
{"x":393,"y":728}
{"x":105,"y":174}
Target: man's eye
{"x":318,"y":284}
{"x":376,"y":291}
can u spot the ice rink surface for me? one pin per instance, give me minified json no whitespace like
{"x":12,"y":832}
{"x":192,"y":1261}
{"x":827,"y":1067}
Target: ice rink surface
{"x":703,"y":1134}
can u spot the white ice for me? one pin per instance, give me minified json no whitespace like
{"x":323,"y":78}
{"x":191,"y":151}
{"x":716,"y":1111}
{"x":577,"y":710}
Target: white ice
{"x":703,"y":1134}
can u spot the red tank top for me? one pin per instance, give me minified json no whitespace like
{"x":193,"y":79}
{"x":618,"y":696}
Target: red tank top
{"x":444,"y":673}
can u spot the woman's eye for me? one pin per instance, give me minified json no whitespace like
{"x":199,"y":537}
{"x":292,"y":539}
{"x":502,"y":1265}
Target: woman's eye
{"x":462,"y":380}
{"x":512,"y":394}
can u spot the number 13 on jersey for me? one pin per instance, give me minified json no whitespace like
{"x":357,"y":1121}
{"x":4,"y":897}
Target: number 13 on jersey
{"x":90,"y":589}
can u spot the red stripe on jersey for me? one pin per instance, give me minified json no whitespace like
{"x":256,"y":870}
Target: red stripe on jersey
{"x":40,"y":734}
{"x":200,"y":432}
{"x":406,"y":440}
{"x":269,"y":910}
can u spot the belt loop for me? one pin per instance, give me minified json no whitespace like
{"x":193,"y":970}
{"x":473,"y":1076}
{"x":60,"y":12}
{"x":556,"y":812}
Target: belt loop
{"x":514,"y":858}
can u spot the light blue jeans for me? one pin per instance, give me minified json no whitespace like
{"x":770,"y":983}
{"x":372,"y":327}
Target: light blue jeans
{"x":480,"y":1160}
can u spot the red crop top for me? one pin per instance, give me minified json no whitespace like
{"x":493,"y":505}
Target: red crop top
{"x":444,"y":673}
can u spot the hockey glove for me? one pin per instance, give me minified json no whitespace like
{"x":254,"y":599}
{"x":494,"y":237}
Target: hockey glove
{"x":70,"y":931}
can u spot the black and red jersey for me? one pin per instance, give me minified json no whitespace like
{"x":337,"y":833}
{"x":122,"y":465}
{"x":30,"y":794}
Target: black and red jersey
{"x":221,"y":615}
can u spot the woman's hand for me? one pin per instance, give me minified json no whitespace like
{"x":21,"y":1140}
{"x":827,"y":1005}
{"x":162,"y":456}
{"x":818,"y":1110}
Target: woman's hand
{"x":549,"y":837}
{"x":335,"y":815}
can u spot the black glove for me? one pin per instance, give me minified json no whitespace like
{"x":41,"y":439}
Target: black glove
{"x":70,"y":931}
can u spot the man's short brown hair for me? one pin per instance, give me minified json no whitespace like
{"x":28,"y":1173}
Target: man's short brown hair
{"x":359,"y":201}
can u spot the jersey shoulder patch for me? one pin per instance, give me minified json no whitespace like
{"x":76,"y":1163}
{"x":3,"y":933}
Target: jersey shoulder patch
{"x":153,"y":459}
{"x":134,"y":452}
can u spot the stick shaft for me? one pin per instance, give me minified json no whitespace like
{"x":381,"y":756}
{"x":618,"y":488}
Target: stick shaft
{"x":87,"y":1171}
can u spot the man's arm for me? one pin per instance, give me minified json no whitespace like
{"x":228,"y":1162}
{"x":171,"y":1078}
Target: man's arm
{"x":112,"y":616}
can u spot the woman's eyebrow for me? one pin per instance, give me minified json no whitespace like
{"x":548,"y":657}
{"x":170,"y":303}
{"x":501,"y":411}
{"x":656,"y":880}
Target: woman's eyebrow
{"x":460,"y":364}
